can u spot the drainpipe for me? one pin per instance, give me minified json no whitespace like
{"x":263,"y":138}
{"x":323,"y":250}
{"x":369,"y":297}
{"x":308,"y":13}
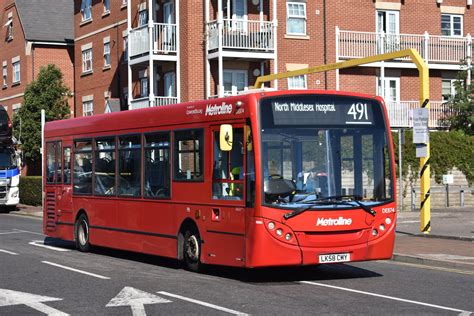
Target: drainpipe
{"x":325,"y":45}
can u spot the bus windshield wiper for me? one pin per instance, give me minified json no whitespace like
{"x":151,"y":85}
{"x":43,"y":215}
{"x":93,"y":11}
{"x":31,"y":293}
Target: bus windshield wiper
{"x":338,"y":199}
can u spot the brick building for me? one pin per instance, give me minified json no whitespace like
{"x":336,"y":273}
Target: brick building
{"x":33,"y":37}
{"x":182,"y":50}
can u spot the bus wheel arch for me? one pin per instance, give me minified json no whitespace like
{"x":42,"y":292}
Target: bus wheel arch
{"x":189,"y":245}
{"x":81,"y":231}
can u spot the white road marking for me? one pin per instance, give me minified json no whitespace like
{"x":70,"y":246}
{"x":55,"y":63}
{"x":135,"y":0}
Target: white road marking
{"x":40,"y":243}
{"x":8,"y":233}
{"x":443,"y":256}
{"x":76,"y":270}
{"x":29,"y":232}
{"x":407,"y":222}
{"x":220,"y":308}
{"x":386,"y":297}
{"x":136,"y":299}
{"x":9,"y":252}
{"x":9,"y":298}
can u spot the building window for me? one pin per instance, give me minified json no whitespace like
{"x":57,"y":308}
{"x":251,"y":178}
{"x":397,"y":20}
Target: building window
{"x":88,"y":108}
{"x":296,"y":18}
{"x":107,"y":54}
{"x":143,"y":87}
{"x":448,"y":89}
{"x":451,"y":25}
{"x":15,"y":108}
{"x":86,"y":10}
{"x":389,"y":89}
{"x":170,"y":84}
{"x":297,"y":82}
{"x":235,"y":81}
{"x":125,"y":49}
{"x":9,"y":26}
{"x":106,"y":6}
{"x":87,"y":60}
{"x":5,"y":72}
{"x":142,"y":18}
{"x":16,"y":72}
{"x":124,"y":3}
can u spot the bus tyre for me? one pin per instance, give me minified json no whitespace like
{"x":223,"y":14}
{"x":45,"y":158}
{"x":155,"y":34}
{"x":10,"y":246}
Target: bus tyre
{"x":82,"y":233}
{"x":192,"y":250}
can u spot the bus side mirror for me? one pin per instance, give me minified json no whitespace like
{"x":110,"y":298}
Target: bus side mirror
{"x":225,"y":137}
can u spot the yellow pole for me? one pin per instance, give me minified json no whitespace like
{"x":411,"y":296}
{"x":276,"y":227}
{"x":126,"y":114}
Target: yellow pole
{"x":424,"y":95}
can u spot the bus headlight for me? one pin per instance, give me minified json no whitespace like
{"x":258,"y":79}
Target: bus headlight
{"x":382,"y":227}
{"x":374,"y":232}
{"x":288,"y":237}
{"x":388,"y":221}
{"x":271,"y":225}
{"x":279,"y":232}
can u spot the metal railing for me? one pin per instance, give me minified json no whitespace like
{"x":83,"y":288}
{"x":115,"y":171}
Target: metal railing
{"x":241,"y":35}
{"x":400,"y":113}
{"x":164,"y":39}
{"x":159,"y":101}
{"x":433,"y":48}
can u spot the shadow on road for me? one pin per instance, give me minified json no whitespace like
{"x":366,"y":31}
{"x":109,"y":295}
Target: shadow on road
{"x":264,"y":276}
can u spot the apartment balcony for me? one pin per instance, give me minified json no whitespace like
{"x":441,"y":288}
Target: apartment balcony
{"x":142,"y":103}
{"x":400,"y":113}
{"x":164,"y":46}
{"x":440,"y":52}
{"x":241,"y":39}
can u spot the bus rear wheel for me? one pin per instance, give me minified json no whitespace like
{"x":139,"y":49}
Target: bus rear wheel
{"x":82,"y":233}
{"x":192,"y":250}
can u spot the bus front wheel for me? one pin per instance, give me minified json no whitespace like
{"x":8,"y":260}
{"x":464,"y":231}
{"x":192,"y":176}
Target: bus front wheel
{"x":192,"y":250}
{"x":82,"y":233}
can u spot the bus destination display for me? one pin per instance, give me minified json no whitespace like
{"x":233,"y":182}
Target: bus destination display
{"x":305,"y":110}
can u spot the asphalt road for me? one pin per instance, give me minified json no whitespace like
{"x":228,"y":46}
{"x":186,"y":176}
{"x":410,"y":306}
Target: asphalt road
{"x":35,"y":280}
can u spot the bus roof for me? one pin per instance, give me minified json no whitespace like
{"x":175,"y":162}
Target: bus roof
{"x":222,"y":109}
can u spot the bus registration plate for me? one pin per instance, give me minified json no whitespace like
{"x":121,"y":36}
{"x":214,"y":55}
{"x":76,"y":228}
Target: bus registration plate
{"x":335,"y":257}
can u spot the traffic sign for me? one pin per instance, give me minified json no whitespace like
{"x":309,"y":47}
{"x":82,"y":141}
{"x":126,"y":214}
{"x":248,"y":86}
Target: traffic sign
{"x":420,"y":126}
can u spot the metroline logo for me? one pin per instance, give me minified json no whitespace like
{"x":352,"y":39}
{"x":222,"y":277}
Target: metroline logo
{"x":341,"y":221}
{"x":218,"y":109}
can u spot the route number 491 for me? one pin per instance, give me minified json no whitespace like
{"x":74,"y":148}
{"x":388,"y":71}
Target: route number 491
{"x":358,"y":111}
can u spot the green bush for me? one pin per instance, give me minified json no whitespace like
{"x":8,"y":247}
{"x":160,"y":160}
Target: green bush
{"x":30,"y":190}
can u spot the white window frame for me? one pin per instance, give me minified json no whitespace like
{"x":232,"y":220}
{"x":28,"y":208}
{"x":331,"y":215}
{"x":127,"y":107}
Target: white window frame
{"x":234,"y":72}
{"x":9,"y":25}
{"x":84,"y":10}
{"x":451,"y":24}
{"x":88,"y":108}
{"x":293,"y":82}
{"x":87,"y":60}
{"x":16,"y":72}
{"x":106,"y":54}
{"x":143,"y":87}
{"x":142,"y":17}
{"x":293,"y":16}
{"x":386,"y":86}
{"x":385,"y":25}
{"x":451,"y":86}
{"x":15,"y":108}
{"x":170,"y":84}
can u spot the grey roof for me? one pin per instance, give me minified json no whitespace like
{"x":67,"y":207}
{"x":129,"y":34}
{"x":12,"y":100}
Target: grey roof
{"x":47,"y":20}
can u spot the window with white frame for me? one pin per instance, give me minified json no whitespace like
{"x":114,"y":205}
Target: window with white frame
{"x":88,"y":108}
{"x":9,"y":26}
{"x":87,"y":60}
{"x":235,"y":80}
{"x":86,"y":10}
{"x":389,"y":89}
{"x":448,"y":87}
{"x":5,"y":73}
{"x":296,"y":18}
{"x":143,"y":87}
{"x":297,"y":82}
{"x":106,"y":54}
{"x":142,"y":18}
{"x":16,"y":72}
{"x":106,"y":6}
{"x":170,"y":84}
{"x":124,"y":3}
{"x":451,"y":24}
{"x":16,"y":107}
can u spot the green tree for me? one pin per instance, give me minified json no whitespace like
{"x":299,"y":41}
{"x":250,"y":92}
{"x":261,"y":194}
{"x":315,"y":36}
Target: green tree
{"x":47,"y":92}
{"x":461,"y":106}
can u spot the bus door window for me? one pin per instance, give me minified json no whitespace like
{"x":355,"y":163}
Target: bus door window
{"x":157,"y":165}
{"x":104,"y":166}
{"x":250,"y":166}
{"x":67,"y":165}
{"x":189,"y":155}
{"x":82,"y":167}
{"x":53,"y":163}
{"x":129,"y":167}
{"x":228,"y":168}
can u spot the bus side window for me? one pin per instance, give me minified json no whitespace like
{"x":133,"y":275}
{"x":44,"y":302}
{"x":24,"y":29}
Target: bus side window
{"x":188,"y":148}
{"x":67,"y":165}
{"x":50,"y":162}
{"x":83,"y":167}
{"x":157,"y":165}
{"x":129,"y":165}
{"x":104,"y":171}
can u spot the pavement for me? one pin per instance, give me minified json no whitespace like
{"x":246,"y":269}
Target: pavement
{"x":450,"y":243}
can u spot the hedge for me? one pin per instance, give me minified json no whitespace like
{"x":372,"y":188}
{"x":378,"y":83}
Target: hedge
{"x":30,"y":190}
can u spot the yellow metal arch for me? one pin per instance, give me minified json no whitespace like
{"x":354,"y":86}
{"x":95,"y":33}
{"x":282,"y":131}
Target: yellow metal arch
{"x":424,"y":95}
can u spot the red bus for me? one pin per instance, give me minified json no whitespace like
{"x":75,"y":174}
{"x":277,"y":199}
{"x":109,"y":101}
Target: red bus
{"x":270,"y":178}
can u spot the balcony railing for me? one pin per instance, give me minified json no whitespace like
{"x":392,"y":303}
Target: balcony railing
{"x":433,"y":49}
{"x":164,"y":39}
{"x":242,"y":35}
{"x":400,"y":113}
{"x":159,"y":101}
